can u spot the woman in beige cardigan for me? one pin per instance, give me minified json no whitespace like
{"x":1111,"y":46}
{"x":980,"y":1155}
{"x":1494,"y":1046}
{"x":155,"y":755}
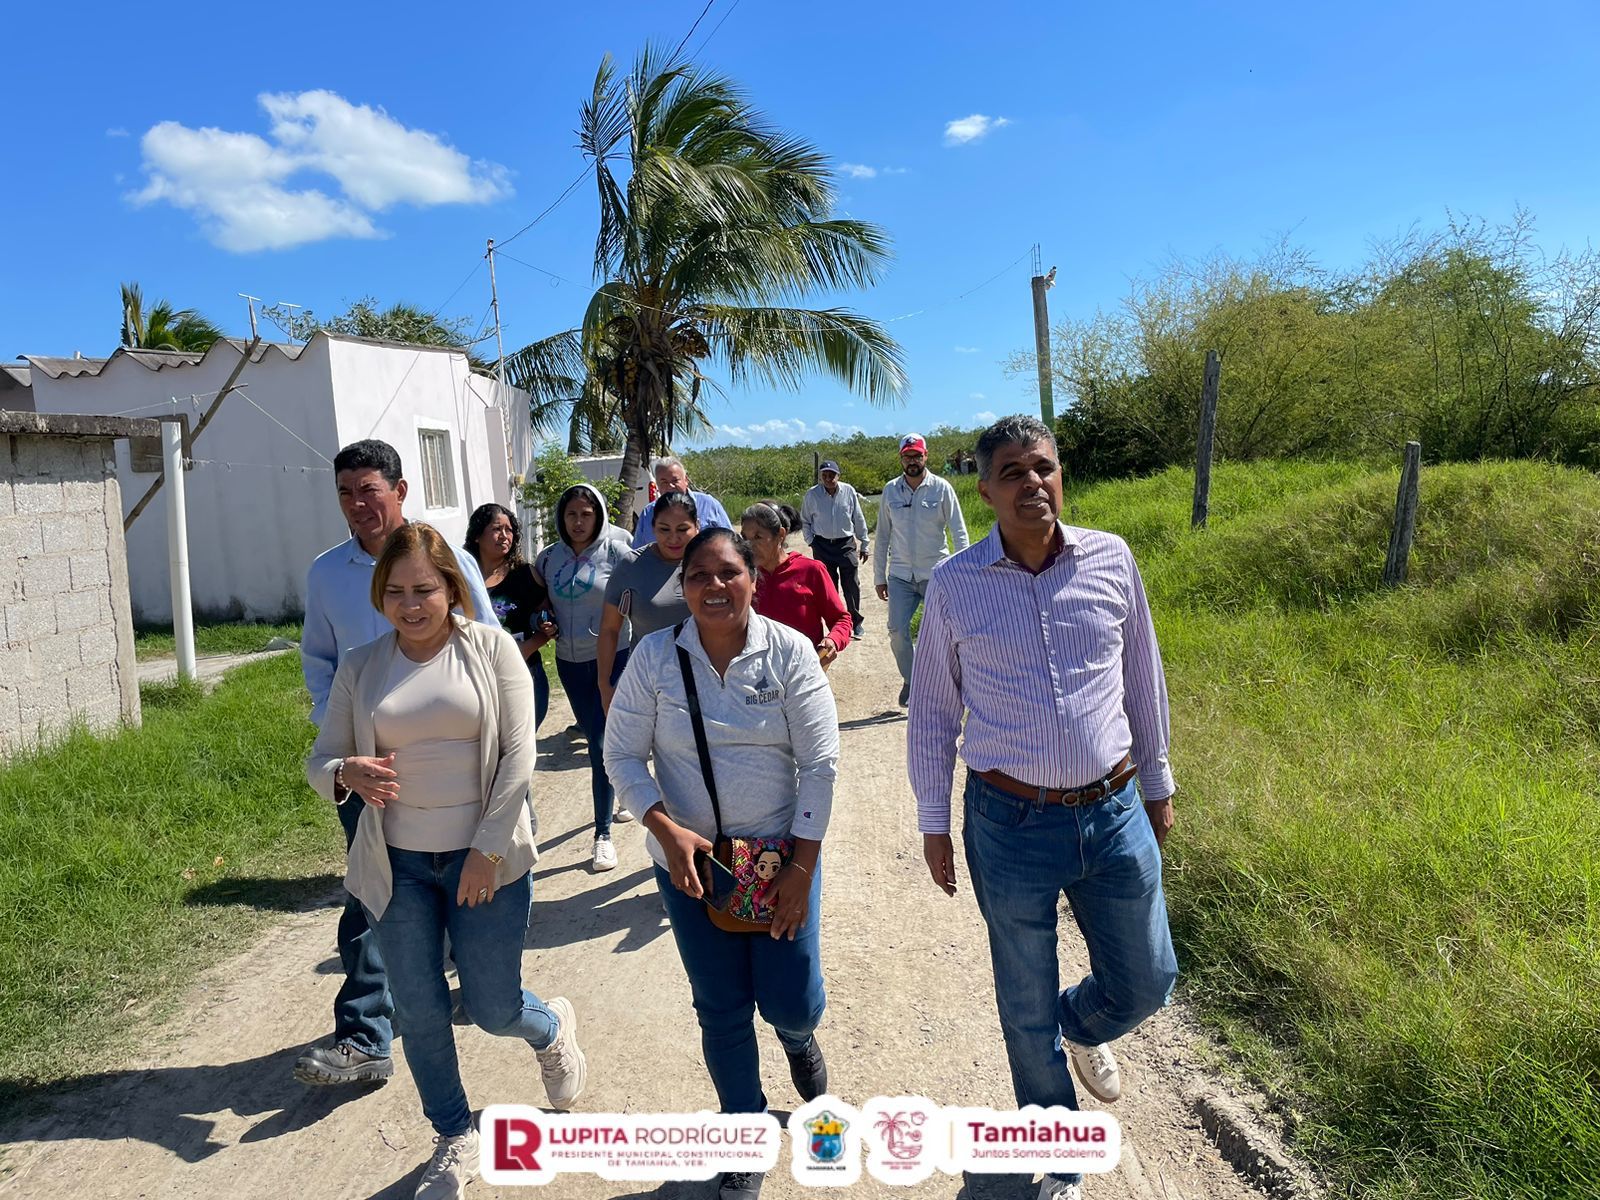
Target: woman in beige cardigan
{"x":431,"y":729}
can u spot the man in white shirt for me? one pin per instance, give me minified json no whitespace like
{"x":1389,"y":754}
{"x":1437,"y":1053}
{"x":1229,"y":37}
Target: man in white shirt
{"x":835,"y":528}
{"x":914,"y":515}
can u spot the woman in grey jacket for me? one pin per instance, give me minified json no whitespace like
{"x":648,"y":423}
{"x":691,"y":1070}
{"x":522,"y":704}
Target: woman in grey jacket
{"x":431,"y":730}
{"x":574,"y":571}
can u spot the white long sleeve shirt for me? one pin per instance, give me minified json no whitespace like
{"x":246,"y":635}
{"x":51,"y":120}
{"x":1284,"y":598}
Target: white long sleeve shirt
{"x":911,"y":528}
{"x":771,"y":725}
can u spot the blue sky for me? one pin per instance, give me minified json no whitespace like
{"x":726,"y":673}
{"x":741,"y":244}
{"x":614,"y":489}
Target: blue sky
{"x":314,"y":158}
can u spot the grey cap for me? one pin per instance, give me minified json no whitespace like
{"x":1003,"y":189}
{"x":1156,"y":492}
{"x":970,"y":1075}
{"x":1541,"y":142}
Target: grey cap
{"x":829,"y":465}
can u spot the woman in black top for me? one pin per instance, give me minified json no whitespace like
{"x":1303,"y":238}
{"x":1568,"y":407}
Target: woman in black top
{"x":494,"y":538}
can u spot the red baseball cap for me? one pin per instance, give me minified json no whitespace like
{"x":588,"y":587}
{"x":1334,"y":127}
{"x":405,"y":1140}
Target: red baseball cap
{"x":913,"y":441}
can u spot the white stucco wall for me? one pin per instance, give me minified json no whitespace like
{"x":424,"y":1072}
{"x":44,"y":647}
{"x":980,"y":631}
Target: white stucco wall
{"x":392,"y":394}
{"x":261,"y":503}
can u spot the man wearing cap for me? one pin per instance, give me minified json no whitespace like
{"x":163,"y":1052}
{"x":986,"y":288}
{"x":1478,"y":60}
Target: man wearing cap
{"x":916,"y":511}
{"x":835,"y":528}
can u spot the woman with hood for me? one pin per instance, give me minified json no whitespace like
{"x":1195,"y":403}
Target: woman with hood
{"x":574,"y":571}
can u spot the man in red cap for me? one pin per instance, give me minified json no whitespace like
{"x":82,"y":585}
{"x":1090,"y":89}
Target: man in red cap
{"x":915,"y":513}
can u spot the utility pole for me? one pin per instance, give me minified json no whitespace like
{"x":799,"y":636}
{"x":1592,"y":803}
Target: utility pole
{"x":503,"y":396}
{"x":250,"y":302}
{"x":1041,"y":337}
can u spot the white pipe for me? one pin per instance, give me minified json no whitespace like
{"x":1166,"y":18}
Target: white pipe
{"x":178,"y":547}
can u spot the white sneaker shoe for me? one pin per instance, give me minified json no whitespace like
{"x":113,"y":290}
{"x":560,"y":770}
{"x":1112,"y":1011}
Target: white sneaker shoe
{"x":621,"y":817}
{"x":1097,"y":1071}
{"x":454,"y":1162}
{"x":562,"y":1065}
{"x":1055,"y":1189}
{"x":605,"y":854}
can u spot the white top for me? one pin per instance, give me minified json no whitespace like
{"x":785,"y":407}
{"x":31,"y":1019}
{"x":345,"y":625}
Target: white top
{"x":912,"y":522}
{"x":431,"y":717}
{"x":771,"y":725}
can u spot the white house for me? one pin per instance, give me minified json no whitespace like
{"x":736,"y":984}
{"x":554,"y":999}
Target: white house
{"x":260,"y":490}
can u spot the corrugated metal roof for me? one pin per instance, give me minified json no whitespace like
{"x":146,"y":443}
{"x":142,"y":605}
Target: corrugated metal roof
{"x":18,"y":373}
{"x":154,"y":360}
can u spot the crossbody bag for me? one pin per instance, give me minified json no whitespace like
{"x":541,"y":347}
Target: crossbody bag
{"x":738,"y":882}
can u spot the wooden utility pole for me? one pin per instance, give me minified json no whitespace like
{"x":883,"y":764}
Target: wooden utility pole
{"x":1041,"y":339}
{"x":1405,"y":518}
{"x":233,"y":379}
{"x":1208,"y":435}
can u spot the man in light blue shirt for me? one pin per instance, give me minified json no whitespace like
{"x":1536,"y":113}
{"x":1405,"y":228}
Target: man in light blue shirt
{"x":671,"y":477}
{"x":340,"y":617}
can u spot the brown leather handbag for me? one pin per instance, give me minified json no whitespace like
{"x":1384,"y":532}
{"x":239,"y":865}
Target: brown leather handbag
{"x":737,"y":875}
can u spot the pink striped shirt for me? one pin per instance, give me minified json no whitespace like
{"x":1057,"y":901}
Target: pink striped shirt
{"x":1059,"y":674}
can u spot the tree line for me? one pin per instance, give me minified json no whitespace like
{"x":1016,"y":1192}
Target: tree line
{"x":1468,"y":339}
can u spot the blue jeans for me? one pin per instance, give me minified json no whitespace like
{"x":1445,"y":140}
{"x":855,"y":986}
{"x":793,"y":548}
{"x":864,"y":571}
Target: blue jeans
{"x":733,"y":974}
{"x":905,"y":597}
{"x":1104,"y":857}
{"x":486,"y":943}
{"x":541,"y":690}
{"x":581,"y":680}
{"x":362,"y":1011}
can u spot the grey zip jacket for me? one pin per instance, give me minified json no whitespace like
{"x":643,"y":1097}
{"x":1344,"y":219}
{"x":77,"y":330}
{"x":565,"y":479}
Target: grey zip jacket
{"x":577,"y":582}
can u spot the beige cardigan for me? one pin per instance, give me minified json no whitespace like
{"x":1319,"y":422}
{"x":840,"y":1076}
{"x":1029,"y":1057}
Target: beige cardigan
{"x":505,"y":687}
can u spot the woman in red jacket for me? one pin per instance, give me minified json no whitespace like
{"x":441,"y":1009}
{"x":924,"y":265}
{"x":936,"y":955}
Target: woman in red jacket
{"x":792,"y":588}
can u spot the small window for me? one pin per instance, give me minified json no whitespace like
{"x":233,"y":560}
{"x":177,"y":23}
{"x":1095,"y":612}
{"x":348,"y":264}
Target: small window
{"x":438,"y":480}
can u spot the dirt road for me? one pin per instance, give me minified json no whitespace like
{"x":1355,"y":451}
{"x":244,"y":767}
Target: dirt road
{"x":210,"y":1110}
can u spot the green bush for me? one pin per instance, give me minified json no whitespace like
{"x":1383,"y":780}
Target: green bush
{"x":866,"y":463}
{"x":554,"y":473}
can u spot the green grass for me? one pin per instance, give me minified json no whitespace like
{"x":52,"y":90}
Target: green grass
{"x":128,"y":863}
{"x":232,"y":637}
{"x":1385,"y":880}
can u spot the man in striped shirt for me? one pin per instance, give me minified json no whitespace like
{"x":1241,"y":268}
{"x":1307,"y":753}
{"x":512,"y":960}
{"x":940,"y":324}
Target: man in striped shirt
{"x":1041,"y":635}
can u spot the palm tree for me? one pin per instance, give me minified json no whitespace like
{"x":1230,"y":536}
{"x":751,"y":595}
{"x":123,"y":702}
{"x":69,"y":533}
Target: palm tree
{"x":163,"y":327}
{"x":720,"y":222}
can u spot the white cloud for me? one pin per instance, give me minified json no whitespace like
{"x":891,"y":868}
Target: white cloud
{"x":965,"y":349}
{"x":976,"y":396}
{"x":378,"y":161}
{"x":970,"y":129}
{"x":238,"y":184}
{"x":984,"y":418}
{"x":862,"y":171}
{"x":116,"y":131}
{"x":779,"y":432}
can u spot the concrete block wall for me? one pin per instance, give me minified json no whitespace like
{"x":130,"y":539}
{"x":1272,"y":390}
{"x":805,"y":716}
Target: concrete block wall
{"x":66,"y":627}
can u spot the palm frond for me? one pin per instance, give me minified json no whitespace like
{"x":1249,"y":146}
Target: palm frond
{"x":780,"y":346}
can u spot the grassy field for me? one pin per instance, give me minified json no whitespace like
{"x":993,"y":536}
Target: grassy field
{"x":129,"y":863}
{"x":1385,"y":880}
{"x":241,"y":637}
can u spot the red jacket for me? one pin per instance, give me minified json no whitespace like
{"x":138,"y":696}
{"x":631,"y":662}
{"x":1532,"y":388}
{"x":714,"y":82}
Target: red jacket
{"x":799,"y":594}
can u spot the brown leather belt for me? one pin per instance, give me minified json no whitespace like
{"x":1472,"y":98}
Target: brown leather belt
{"x":1109,"y":785}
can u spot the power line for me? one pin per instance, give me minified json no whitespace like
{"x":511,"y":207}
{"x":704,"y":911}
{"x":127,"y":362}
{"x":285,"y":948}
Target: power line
{"x":692,"y":28}
{"x":700,"y":49}
{"x":553,"y":205}
{"x":798,"y":329}
{"x":475,"y":268}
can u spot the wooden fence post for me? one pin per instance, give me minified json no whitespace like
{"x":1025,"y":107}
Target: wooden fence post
{"x":1405,"y":518}
{"x":1208,"y":433}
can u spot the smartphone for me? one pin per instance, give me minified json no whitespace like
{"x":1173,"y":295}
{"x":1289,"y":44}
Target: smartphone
{"x":719,"y":881}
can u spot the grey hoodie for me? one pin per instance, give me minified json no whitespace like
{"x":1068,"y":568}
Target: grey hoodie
{"x":577,"y":582}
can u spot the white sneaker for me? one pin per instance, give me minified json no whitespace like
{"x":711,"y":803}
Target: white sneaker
{"x":561,"y":1064}
{"x":1097,"y":1071}
{"x":454,"y":1162}
{"x":1055,"y":1189}
{"x":605,"y":854}
{"x":621,"y":817}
